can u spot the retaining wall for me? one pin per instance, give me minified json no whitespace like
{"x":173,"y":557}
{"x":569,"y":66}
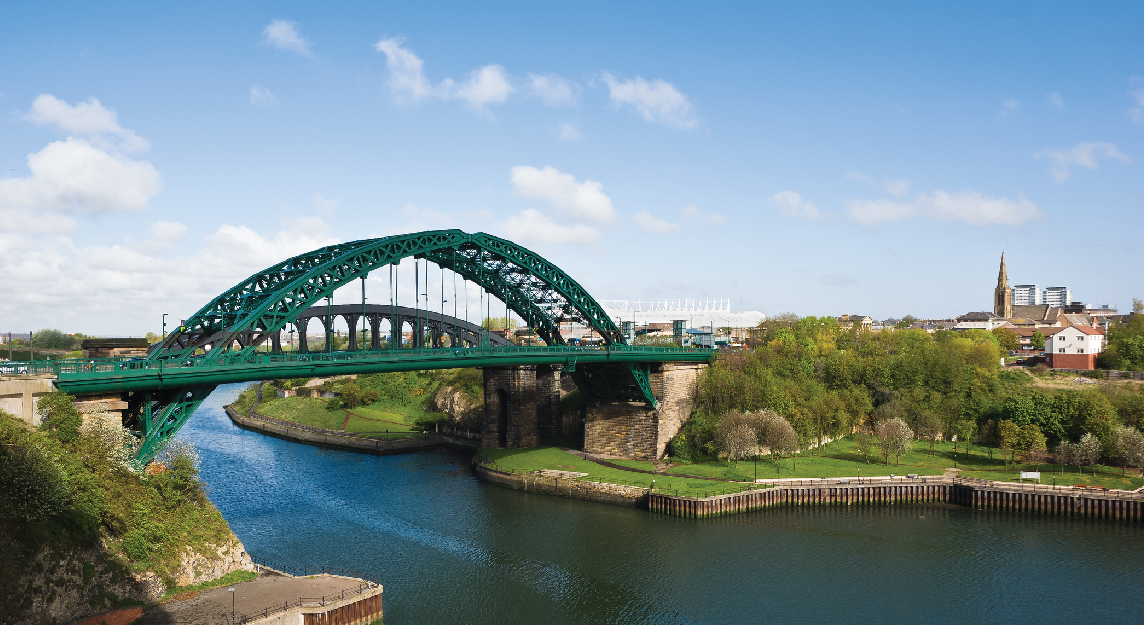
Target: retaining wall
{"x":970,"y":493}
{"x":615,"y":494}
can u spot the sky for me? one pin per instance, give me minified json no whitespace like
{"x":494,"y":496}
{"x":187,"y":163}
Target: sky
{"x":816,"y":158}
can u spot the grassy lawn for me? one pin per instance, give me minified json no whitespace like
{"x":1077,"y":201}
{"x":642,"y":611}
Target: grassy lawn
{"x":545,"y":457}
{"x":841,"y":459}
{"x":358,"y":424}
{"x":304,"y":410}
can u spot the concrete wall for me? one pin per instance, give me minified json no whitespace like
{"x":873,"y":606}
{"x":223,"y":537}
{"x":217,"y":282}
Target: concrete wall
{"x":630,"y":430}
{"x":19,"y":395}
{"x":615,"y":494}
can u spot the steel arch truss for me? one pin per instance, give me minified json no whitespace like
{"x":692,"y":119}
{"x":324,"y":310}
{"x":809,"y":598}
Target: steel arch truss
{"x":242,"y":318}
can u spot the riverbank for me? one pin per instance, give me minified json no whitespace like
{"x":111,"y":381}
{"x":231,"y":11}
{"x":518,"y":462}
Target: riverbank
{"x":346,"y":441}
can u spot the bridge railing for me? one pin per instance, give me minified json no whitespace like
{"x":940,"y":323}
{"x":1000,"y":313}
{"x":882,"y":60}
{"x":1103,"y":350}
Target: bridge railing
{"x":121,"y":364}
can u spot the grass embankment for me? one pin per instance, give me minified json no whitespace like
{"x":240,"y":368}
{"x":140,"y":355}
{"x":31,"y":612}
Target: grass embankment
{"x":371,"y":421}
{"x":66,"y":487}
{"x":842,"y":459}
{"x":547,"y":457}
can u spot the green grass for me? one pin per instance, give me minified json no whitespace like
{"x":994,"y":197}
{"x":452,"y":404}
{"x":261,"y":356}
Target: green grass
{"x":234,"y":577}
{"x":546,"y":457}
{"x":304,"y":410}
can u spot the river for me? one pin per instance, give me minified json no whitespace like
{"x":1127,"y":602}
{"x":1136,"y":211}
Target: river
{"x":450,"y":549}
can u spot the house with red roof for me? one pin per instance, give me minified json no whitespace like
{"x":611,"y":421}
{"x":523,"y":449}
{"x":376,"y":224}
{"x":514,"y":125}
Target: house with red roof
{"x":1074,"y":347}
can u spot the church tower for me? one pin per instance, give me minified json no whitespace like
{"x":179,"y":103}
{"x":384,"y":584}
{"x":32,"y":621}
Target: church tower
{"x":1003,"y":295}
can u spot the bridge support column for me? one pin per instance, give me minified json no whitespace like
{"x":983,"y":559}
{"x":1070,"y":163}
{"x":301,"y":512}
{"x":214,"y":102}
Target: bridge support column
{"x":631,"y":430}
{"x":522,"y":404}
{"x":352,"y":322}
{"x":276,"y":342}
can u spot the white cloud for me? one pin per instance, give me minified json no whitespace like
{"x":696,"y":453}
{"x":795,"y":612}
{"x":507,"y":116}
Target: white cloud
{"x":284,"y":35}
{"x":532,"y":226}
{"x":658,"y":101}
{"x":581,"y":201}
{"x":1086,"y":154}
{"x":1137,"y":112}
{"x":1055,"y":99}
{"x":795,"y":206}
{"x":553,"y":90}
{"x":1009,"y":106}
{"x":261,"y":97}
{"x":87,"y":119}
{"x":654,"y":225}
{"x":406,"y":73}
{"x":693,"y":214}
{"x":967,"y":206}
{"x":490,"y":84}
{"x":69,"y":176}
{"x":167,"y":231}
{"x":487,"y":85}
{"x":323,"y":205}
{"x":896,"y":188}
{"x":113,"y":288}
{"x":567,"y":131}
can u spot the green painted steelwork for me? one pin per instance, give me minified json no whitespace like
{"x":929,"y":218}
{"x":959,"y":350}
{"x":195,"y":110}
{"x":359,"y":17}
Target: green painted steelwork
{"x":218,"y":344}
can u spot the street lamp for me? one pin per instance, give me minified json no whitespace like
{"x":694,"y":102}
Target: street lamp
{"x":164,"y":326}
{"x":231,"y":590}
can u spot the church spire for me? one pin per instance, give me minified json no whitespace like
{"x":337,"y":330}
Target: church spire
{"x":1003,"y":295}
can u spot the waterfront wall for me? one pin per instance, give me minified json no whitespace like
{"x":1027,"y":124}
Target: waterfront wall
{"x":615,"y":494}
{"x":977,"y":494}
{"x":360,"y":610}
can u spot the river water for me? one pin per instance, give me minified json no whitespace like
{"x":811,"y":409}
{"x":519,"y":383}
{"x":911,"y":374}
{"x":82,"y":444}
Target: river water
{"x":450,"y":549}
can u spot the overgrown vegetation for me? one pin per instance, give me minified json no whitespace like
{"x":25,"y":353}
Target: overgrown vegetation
{"x":68,"y":485}
{"x":1125,"y":349}
{"x":828,"y":382}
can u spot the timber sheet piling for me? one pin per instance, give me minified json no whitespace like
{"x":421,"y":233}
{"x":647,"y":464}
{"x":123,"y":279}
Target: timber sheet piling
{"x":974,"y":494}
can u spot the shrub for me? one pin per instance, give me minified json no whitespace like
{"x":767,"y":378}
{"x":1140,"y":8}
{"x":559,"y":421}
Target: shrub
{"x":59,"y":416}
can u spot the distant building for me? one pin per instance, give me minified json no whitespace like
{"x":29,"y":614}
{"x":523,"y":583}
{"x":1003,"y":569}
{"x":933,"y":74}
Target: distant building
{"x":1026,"y":295}
{"x":978,"y":321}
{"x":1074,"y":347}
{"x":848,"y":321}
{"x":1057,"y":296}
{"x":114,"y":348}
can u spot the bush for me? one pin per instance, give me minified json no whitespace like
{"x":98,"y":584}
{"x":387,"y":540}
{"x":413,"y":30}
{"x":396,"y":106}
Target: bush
{"x":59,"y":416}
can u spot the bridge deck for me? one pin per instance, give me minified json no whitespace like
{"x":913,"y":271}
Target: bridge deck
{"x":119,"y":374}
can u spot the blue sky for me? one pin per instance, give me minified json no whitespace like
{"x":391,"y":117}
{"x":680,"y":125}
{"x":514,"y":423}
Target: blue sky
{"x":823,"y":159}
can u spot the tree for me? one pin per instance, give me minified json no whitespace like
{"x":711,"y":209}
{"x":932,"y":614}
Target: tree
{"x":1137,"y":305}
{"x":966,"y":433}
{"x":1088,"y":451}
{"x":929,"y":429}
{"x":1033,"y":444}
{"x":1066,"y":453}
{"x":736,"y":436}
{"x":865,"y":442}
{"x":777,"y":435}
{"x":351,"y":395}
{"x":1128,"y":445}
{"x":59,"y":416}
{"x":499,"y":323}
{"x":894,"y":438}
{"x":1007,"y":339}
{"x":1037,"y":341}
{"x":1010,"y":436}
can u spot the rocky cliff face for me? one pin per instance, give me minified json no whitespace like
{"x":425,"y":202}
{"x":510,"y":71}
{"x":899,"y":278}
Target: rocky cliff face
{"x":60,"y":586}
{"x":461,"y":408}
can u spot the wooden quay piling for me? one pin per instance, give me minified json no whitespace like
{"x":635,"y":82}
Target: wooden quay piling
{"x":967,"y":492}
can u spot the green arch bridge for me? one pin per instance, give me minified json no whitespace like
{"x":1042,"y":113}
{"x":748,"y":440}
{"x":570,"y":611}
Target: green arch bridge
{"x":220,"y":344}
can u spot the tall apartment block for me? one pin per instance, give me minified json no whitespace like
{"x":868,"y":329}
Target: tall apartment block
{"x":1026,"y":295}
{"x":1057,"y":296}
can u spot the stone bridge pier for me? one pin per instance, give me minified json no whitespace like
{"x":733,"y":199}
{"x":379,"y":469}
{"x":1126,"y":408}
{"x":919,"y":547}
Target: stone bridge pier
{"x":522,"y":406}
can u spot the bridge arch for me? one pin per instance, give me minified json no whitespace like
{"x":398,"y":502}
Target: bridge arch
{"x":246,"y":315}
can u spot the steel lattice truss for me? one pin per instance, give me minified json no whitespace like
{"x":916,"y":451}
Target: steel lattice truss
{"x":533,"y":288}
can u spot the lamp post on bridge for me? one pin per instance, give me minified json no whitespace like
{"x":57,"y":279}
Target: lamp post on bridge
{"x":164,"y":326}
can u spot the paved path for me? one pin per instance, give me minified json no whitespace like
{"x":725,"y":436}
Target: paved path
{"x":212,"y":607}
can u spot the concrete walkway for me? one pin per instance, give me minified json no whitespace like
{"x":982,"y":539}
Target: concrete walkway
{"x":212,"y":607}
